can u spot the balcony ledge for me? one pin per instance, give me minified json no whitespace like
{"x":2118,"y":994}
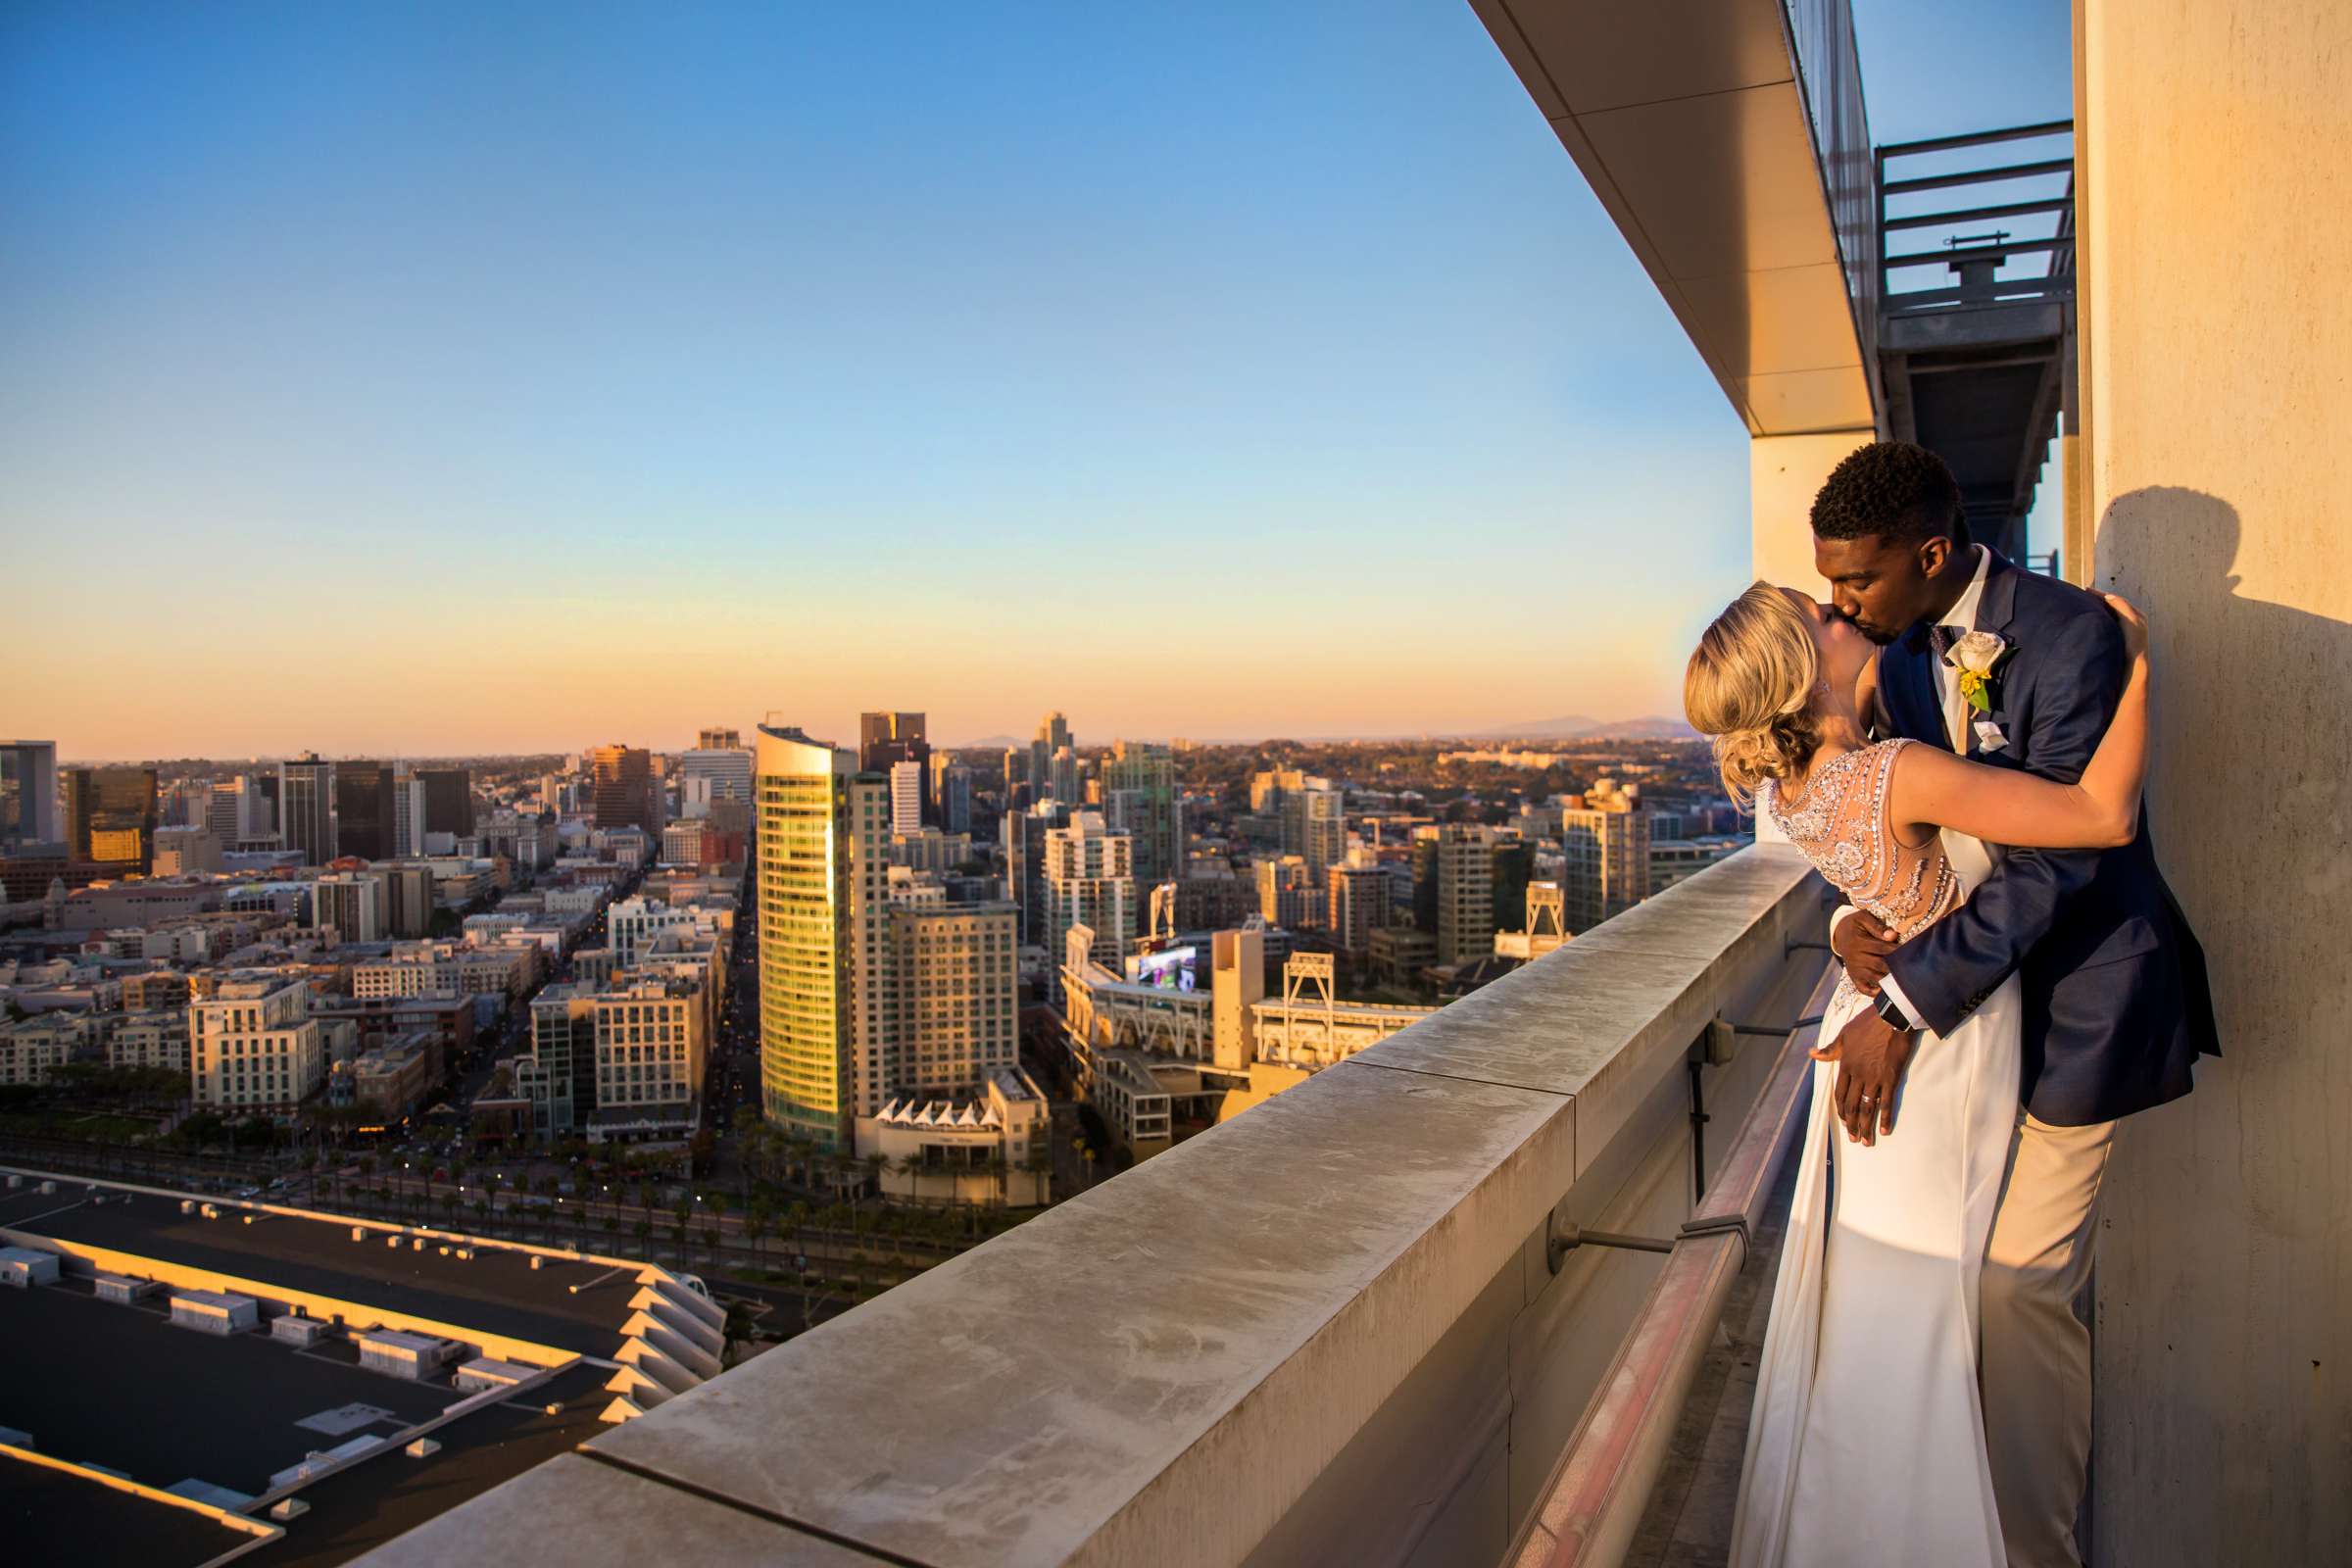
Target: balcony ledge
{"x":1160,"y":1369}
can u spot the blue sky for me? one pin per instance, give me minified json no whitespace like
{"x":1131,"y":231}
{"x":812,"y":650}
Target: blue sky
{"x":433,"y":376}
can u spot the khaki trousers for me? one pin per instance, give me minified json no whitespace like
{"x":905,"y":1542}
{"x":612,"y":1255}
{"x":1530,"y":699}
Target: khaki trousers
{"x":2035,"y":1371}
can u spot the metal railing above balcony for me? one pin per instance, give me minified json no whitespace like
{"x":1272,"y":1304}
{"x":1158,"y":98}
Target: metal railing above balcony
{"x":2033,"y":193}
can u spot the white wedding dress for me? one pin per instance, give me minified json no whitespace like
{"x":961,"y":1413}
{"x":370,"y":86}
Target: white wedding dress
{"x":1867,"y":1442}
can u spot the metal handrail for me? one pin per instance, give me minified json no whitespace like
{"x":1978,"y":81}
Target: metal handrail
{"x":1595,"y":1497}
{"x":1976,"y":285}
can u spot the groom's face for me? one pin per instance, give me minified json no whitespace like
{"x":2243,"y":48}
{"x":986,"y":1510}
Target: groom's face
{"x":1878,"y":582}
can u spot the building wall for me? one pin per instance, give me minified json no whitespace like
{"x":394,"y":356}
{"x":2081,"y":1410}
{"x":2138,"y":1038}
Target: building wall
{"x":956,"y":988}
{"x":2216,"y":206}
{"x":255,"y":1050}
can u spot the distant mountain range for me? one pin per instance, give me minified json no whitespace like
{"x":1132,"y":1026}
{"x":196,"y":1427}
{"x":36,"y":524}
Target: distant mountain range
{"x":1576,"y":727}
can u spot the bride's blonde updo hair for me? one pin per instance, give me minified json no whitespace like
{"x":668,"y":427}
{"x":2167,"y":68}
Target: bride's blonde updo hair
{"x":1750,"y":685}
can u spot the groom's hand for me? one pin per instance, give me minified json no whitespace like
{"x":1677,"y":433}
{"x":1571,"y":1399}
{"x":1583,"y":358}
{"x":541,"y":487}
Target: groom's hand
{"x":1871,"y":1056}
{"x":1862,"y":942}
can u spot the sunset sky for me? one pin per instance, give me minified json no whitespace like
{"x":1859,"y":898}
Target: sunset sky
{"x":430,"y":378}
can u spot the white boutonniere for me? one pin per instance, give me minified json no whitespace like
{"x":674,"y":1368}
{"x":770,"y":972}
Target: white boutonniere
{"x":1978,"y":656}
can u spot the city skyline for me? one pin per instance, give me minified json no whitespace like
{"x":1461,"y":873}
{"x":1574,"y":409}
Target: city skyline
{"x":625,"y":385}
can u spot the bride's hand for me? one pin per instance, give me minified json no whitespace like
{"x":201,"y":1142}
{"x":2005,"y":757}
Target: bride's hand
{"x":2135,"y":624}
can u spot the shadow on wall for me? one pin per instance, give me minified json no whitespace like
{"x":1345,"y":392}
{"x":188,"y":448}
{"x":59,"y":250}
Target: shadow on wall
{"x":2253,"y":707}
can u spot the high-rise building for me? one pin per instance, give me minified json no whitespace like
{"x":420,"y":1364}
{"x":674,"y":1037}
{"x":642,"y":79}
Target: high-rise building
{"x":885,"y":740}
{"x":1605,"y":837}
{"x":906,"y":796}
{"x":408,"y":901}
{"x":1359,"y":901}
{"x":111,"y":818}
{"x":1052,"y":739}
{"x":364,"y":805}
{"x":1025,"y":863}
{"x":1462,"y":888}
{"x":305,"y":807}
{"x":953,"y":790}
{"x":1322,"y":828}
{"x":409,"y":813}
{"x":1311,"y":813}
{"x":29,"y":793}
{"x":1090,"y":881}
{"x":1064,"y":774}
{"x":448,"y":801}
{"x":1141,"y":800}
{"x":352,"y":904}
{"x":957,"y":974}
{"x":225,"y":809}
{"x":717,"y":769}
{"x":1514,"y":869}
{"x":624,"y":794}
{"x":1286,"y":894}
{"x":823,"y":832}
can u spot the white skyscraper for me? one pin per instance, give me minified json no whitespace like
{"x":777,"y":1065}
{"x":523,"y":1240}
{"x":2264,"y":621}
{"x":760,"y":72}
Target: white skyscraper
{"x":408,"y":814}
{"x":716,"y":770}
{"x":905,"y":796}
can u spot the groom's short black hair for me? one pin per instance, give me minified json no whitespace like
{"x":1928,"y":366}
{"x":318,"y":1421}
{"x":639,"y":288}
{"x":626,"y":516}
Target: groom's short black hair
{"x":1892,"y":488}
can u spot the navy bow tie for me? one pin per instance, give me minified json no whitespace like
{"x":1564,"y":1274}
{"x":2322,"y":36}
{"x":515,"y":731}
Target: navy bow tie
{"x":1940,"y":639}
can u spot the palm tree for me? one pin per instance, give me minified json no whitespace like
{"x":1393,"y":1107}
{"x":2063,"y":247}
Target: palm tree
{"x":997,"y":1168}
{"x":755,"y":1221}
{"x":717,"y":1204}
{"x":1039,"y":1162}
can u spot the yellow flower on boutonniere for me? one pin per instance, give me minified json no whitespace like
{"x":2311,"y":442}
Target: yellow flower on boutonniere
{"x":1975,"y":655}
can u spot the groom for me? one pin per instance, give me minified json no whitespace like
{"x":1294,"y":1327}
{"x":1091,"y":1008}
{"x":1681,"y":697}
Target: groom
{"x":2112,"y":981}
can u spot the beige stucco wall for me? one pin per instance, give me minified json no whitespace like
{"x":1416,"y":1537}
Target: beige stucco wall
{"x":1784,"y":472}
{"x":2217,"y":202}
{"x":1784,"y":475}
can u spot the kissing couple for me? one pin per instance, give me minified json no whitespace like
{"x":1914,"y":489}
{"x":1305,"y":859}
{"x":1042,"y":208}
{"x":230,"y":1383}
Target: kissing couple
{"x":1957,"y":745}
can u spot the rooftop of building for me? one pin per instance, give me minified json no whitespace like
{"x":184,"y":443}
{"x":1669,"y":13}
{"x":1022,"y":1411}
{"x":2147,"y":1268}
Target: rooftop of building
{"x":496,"y":1291}
{"x":214,"y":1415}
{"x":245,"y":986}
{"x":59,"y":1515}
{"x":175,"y":1404}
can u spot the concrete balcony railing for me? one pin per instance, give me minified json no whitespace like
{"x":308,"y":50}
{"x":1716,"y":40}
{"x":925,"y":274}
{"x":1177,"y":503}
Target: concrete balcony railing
{"x":1327,"y":1331}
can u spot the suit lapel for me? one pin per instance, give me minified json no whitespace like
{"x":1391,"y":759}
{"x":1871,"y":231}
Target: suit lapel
{"x":1997,"y":608}
{"x":1996,"y":605}
{"x":1907,"y":672}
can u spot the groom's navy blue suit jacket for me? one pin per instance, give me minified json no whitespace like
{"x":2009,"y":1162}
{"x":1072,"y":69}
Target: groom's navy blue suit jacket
{"x":2116,"y":1000}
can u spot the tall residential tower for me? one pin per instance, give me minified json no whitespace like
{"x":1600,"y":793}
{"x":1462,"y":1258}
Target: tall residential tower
{"x":824,"y":855}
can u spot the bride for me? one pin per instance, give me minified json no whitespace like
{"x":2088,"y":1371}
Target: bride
{"x":1878,"y":1453}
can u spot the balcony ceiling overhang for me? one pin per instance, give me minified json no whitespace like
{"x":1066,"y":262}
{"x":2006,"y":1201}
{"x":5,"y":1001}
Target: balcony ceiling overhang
{"x":1688,"y":120}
